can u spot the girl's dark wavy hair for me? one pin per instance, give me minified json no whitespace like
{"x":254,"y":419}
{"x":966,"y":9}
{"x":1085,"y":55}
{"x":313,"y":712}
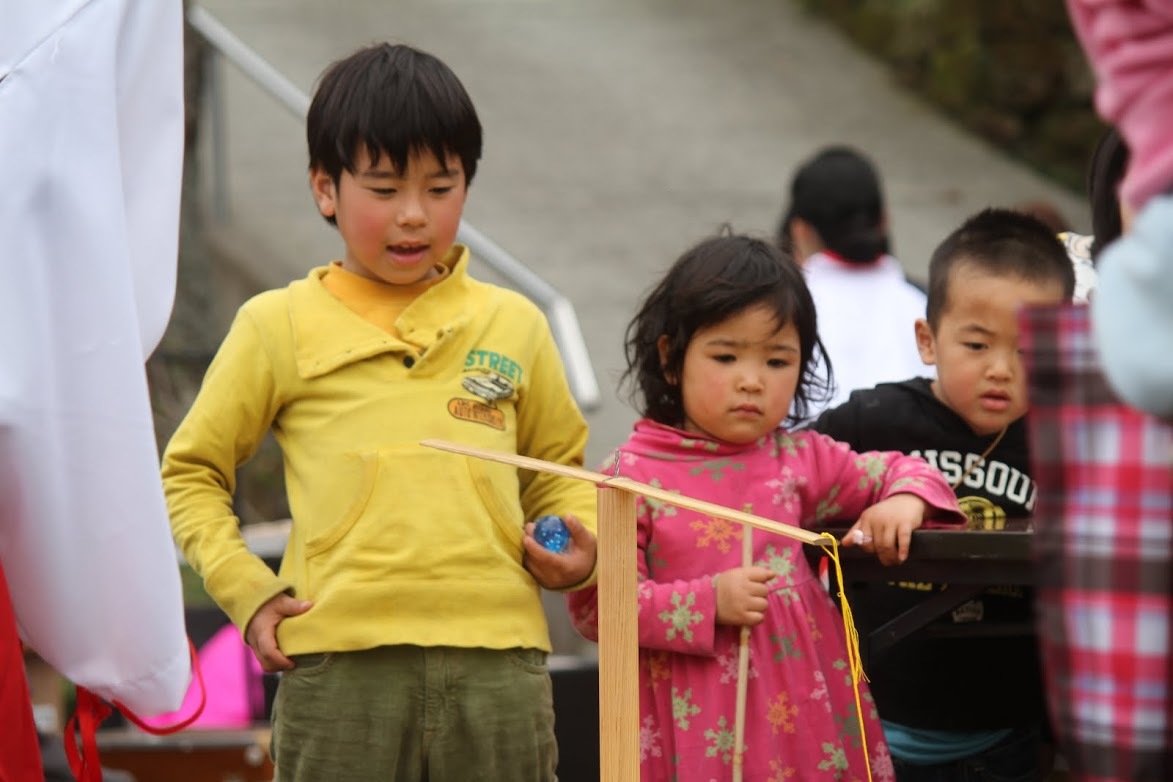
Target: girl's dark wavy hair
{"x":709,"y":283}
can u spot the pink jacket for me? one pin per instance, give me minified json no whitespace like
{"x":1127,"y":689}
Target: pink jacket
{"x":1130,"y":46}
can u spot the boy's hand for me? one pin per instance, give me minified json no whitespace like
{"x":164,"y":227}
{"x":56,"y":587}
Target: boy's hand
{"x":741,"y":595}
{"x":261,"y":632}
{"x":558,"y":571}
{"x":885,"y":528}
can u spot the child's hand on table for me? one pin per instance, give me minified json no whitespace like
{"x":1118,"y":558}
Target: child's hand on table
{"x":559,"y":571}
{"x":885,"y":528}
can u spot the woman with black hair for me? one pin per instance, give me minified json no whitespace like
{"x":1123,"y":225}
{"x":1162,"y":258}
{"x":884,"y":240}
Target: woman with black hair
{"x":837,"y":228}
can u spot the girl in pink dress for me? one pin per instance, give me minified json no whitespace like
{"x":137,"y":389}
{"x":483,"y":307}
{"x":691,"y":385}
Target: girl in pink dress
{"x":716,"y":355}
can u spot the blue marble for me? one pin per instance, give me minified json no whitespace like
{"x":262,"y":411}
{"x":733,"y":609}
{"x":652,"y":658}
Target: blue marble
{"x":551,"y":532}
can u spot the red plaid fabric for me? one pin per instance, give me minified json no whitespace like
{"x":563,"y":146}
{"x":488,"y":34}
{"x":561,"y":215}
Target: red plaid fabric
{"x":1104,"y":546}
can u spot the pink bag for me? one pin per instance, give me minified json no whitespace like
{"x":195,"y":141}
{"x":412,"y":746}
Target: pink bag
{"x":233,"y":679}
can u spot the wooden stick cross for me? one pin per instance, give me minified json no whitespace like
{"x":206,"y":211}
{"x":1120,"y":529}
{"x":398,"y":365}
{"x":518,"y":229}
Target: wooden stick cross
{"x":618,"y":584}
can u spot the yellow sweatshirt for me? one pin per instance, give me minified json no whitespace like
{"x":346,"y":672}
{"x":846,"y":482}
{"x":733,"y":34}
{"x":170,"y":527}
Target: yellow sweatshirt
{"x":394,"y":543}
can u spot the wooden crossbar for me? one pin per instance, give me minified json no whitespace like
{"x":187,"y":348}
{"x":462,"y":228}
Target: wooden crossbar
{"x":618,"y":583}
{"x":634,"y":487}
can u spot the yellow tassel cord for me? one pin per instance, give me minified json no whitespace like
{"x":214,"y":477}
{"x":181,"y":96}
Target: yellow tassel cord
{"x":854,"y":660}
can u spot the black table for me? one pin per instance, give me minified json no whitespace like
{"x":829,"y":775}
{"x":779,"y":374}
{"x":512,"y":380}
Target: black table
{"x":969,"y":561}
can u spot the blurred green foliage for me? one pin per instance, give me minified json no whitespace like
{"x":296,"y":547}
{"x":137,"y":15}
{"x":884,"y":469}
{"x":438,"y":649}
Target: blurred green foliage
{"x":1010,"y":71}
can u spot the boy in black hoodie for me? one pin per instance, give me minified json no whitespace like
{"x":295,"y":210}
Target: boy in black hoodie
{"x":964,"y":708}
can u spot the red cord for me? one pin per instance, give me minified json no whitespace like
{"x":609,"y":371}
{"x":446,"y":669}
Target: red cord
{"x":92,"y":710}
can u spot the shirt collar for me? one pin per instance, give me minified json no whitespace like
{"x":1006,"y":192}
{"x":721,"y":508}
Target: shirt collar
{"x":328,"y":335}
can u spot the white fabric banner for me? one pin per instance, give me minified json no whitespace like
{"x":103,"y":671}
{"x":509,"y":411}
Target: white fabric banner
{"x":91,"y":149}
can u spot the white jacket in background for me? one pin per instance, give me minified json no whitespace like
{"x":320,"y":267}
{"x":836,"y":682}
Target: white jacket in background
{"x":867,"y":316}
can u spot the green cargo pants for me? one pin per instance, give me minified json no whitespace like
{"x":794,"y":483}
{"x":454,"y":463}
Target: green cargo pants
{"x":416,"y":714}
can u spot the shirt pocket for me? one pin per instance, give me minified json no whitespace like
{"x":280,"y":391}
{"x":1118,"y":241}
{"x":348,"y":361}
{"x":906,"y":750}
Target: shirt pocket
{"x":353,"y":476}
{"x":418,"y":513}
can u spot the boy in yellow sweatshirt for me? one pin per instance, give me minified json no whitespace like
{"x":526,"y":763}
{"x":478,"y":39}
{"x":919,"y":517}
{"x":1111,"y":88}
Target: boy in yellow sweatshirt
{"x":406,"y":616}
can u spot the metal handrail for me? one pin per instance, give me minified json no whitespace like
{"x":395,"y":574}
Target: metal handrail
{"x":559,"y":311}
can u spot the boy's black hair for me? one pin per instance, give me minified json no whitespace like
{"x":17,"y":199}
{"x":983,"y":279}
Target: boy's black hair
{"x":1108,"y":163}
{"x":838,"y":192}
{"x":1001,"y":242}
{"x":393,"y":100}
{"x":709,"y":283}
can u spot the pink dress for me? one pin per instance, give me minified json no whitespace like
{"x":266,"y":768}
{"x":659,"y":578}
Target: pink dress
{"x":801,"y":718}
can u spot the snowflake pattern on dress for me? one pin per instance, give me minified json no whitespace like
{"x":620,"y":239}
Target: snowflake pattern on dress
{"x":786,"y":489}
{"x":728,"y":662}
{"x":683,"y":709}
{"x":721,"y":741}
{"x":681,"y":618}
{"x":719,"y":533}
{"x":883,"y":770}
{"x":820,"y":692}
{"x":649,"y":739}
